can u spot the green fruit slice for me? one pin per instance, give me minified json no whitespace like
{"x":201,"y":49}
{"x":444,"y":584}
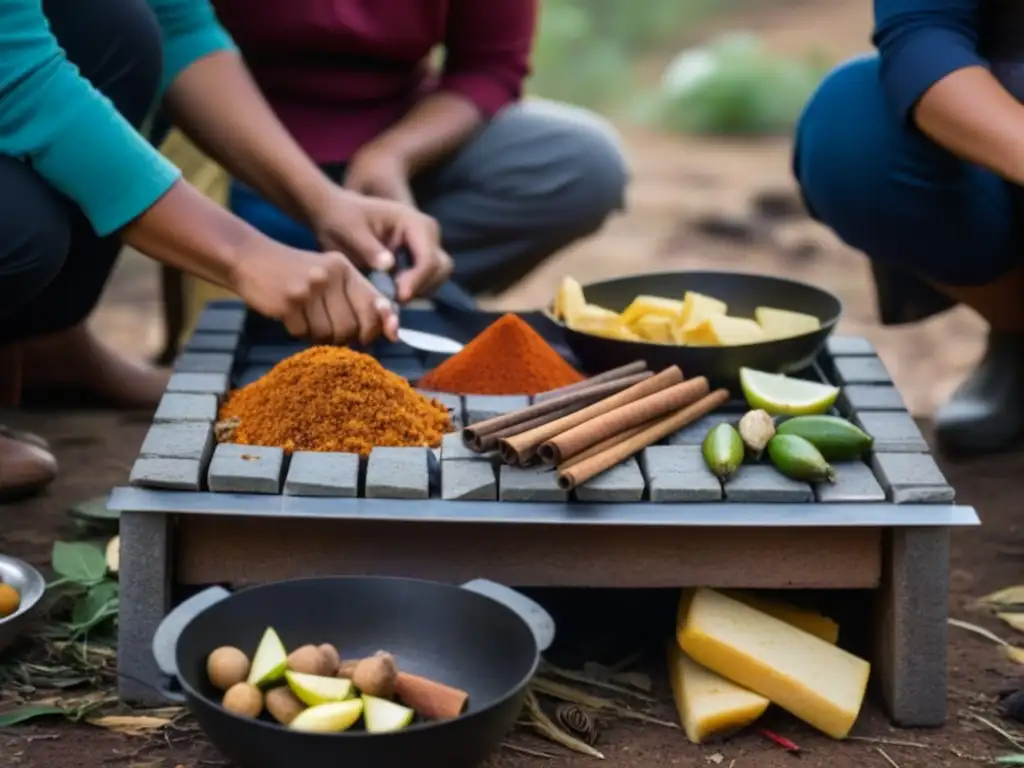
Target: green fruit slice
{"x":779,"y":394}
{"x":335,"y":717}
{"x":270,"y":662}
{"x":836,"y":438}
{"x":313,"y":690}
{"x":383,"y":716}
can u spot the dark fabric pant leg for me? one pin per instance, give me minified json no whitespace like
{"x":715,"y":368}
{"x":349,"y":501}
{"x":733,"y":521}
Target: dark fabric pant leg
{"x":53,"y":266}
{"x":889,"y":191}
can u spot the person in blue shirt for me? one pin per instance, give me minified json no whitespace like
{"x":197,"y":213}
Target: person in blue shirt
{"x":915,"y":156}
{"x":77,"y":180}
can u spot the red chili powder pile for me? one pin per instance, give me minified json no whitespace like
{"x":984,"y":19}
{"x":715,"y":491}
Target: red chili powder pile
{"x":508,"y":358}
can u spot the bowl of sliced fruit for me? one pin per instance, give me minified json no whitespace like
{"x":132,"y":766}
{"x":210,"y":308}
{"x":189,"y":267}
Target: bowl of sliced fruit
{"x":21,"y":591}
{"x":708,"y":323}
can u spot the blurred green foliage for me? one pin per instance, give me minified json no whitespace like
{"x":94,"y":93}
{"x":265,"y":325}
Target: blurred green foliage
{"x":588,"y":52}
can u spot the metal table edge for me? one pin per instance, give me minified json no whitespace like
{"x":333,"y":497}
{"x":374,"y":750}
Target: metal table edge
{"x":640,"y":514}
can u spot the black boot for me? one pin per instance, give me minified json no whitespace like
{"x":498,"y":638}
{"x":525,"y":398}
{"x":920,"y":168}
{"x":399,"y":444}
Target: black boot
{"x":986,"y":413}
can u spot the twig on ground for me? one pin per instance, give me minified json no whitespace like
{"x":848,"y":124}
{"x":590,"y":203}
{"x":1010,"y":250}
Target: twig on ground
{"x":1013,"y":740}
{"x":526,"y":751}
{"x":543,"y":724}
{"x":580,"y":677}
{"x":890,"y":742}
{"x":888,"y":759}
{"x":557,"y":690}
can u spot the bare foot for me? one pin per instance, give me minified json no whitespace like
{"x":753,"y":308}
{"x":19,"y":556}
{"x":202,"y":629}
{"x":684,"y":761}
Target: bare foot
{"x":76,"y":362}
{"x":25,"y":468}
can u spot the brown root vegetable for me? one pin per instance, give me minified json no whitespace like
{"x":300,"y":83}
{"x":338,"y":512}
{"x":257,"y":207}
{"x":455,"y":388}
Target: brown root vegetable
{"x":244,"y":700}
{"x":347,"y":667}
{"x":756,"y":428}
{"x":283,"y":705}
{"x":376,"y":675}
{"x":307,"y":660}
{"x":332,"y":659}
{"x":226,"y":667}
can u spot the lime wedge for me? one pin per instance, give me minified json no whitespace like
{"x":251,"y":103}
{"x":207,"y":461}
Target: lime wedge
{"x":780,"y":394}
{"x":314,"y":689}
{"x":270,"y":661}
{"x":383,"y":716}
{"x":335,"y":717}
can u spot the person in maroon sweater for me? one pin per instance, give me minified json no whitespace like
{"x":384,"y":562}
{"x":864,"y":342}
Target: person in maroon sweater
{"x":509,"y":181}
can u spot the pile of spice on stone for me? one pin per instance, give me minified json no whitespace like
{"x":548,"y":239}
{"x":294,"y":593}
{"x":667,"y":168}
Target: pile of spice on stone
{"x":332,"y":399}
{"x":507,"y":358}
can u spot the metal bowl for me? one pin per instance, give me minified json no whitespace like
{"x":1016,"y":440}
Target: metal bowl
{"x":31,"y":586}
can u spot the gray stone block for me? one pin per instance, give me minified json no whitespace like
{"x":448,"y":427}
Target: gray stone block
{"x":893,"y":431}
{"x":529,"y":484}
{"x":855,"y":482}
{"x":145,"y":591}
{"x":912,"y":478}
{"x":213,"y":342}
{"x":186,"y":440}
{"x":483,"y":407}
{"x":452,"y":448}
{"x":398,"y":473}
{"x":849,"y":346}
{"x":764,"y":483}
{"x":622,"y":483}
{"x":452,"y":402}
{"x":177,"y":406}
{"x":871,"y":397}
{"x":199,"y":383}
{"x":469,"y":481}
{"x":695,"y":433}
{"x":677,"y":473}
{"x":204,"y":362}
{"x":861,"y":370}
{"x":312,"y":473}
{"x":910,"y":627}
{"x":167,"y":474}
{"x":221,"y":319}
{"x":245,"y":469}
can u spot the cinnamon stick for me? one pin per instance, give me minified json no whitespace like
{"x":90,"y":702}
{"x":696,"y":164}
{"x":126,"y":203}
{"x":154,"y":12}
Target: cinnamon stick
{"x":570,"y":477}
{"x":489,"y":442}
{"x":615,"y":373}
{"x":430,"y":699}
{"x":564,"y":446}
{"x":604,"y":445}
{"x":580,"y":397}
{"x":520,"y":449}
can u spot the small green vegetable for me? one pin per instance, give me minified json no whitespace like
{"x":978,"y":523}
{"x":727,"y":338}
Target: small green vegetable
{"x":723,"y":451}
{"x":837,"y":439}
{"x":797,"y":458}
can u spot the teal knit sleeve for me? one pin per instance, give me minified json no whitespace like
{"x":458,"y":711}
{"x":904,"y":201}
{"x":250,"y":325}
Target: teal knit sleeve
{"x":191,"y":31}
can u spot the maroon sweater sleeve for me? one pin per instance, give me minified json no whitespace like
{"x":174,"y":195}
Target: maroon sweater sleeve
{"x":487,"y":54}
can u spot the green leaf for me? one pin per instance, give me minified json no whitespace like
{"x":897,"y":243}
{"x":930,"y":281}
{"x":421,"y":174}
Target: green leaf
{"x":1010,"y":760}
{"x":96,"y":601}
{"x":24,"y":714}
{"x":82,"y":563}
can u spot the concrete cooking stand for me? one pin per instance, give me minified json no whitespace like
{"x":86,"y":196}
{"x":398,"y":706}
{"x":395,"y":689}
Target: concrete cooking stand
{"x":660,"y":521}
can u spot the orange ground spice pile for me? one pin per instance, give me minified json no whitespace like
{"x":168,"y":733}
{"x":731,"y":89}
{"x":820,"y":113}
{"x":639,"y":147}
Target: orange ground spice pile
{"x":508,"y":358}
{"x":333,"y":399}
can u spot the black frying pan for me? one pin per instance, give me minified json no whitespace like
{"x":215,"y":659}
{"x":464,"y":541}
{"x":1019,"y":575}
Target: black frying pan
{"x":482,"y":638}
{"x":742,"y":292}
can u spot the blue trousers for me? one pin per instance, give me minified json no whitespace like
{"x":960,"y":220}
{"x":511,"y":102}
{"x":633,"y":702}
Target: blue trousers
{"x":888,"y":190}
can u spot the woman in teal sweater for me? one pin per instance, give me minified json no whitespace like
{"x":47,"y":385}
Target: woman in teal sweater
{"x":77,"y":181}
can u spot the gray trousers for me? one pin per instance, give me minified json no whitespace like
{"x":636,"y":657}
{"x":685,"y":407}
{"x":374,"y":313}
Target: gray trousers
{"x":536,"y":178}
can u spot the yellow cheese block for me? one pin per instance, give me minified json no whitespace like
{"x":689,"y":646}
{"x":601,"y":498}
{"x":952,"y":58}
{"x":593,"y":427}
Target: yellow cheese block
{"x":654,"y":328}
{"x":651,"y":305}
{"x":723,"y":331}
{"x":801,"y":618}
{"x":707,"y":703}
{"x":782,"y":323}
{"x":819,"y":683}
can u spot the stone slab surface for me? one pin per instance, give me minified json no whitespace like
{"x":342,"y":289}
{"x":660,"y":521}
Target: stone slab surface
{"x":695,"y":433}
{"x":872,"y":397}
{"x":623,"y":483}
{"x":912,"y":478}
{"x":199,"y":383}
{"x":186,"y":440}
{"x":529,"y":484}
{"x":178,"y":406}
{"x":677,"y":473}
{"x":245,"y":469}
{"x":204,"y":362}
{"x":202,"y":341}
{"x":855,"y":482}
{"x":454,"y":449}
{"x":398,"y":473}
{"x":469,"y":481}
{"x":452,"y":402}
{"x":221,"y":320}
{"x":893,"y":431}
{"x":167,"y":474}
{"x":311,"y":473}
{"x":849,"y":346}
{"x":764,"y":483}
{"x":483,"y":407}
{"x":861,"y":370}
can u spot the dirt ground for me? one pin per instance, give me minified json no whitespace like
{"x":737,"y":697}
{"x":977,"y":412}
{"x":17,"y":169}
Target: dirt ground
{"x":675,"y":181}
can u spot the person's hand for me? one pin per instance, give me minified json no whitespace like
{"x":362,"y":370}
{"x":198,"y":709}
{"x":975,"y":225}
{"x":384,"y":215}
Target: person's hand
{"x":369,"y":229}
{"x":376,"y":172}
{"x":319,"y":296}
